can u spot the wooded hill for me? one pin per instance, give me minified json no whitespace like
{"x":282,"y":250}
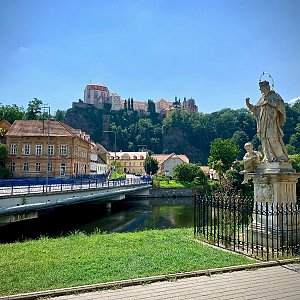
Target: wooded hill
{"x":182,"y":133}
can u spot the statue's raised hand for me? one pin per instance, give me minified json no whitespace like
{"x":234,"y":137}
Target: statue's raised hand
{"x":248,"y":103}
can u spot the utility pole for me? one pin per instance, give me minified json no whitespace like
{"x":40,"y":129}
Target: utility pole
{"x":115,"y":144}
{"x":48,"y":143}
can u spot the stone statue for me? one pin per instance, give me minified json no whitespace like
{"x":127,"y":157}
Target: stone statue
{"x":251,"y":160}
{"x":270,"y":116}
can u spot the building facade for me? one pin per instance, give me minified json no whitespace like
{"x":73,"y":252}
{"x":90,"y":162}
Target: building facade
{"x":167,"y":162}
{"x":130,"y":162}
{"x":99,"y":95}
{"x":38,"y":148}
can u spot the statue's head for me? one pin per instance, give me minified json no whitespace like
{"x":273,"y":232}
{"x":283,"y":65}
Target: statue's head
{"x":248,"y":146}
{"x":264,"y":83}
{"x":264,"y":86}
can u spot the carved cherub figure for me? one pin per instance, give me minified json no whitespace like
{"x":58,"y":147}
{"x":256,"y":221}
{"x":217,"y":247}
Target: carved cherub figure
{"x":251,"y":160}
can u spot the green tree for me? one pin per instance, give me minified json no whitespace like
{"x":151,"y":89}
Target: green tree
{"x":188,"y":172}
{"x":151,"y":165}
{"x":240,"y":138}
{"x":60,"y":115}
{"x":222,"y":154}
{"x":11,"y":113}
{"x":295,"y":161}
{"x":34,"y":109}
{"x":4,"y":172}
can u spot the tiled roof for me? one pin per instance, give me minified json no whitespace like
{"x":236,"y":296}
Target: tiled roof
{"x":161,"y":158}
{"x":40,"y":128}
{"x":132,"y":155}
{"x":162,"y":100}
{"x":101,"y":148}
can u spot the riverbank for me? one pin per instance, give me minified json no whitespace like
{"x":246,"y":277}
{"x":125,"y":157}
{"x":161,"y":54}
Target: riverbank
{"x":87,"y":259}
{"x":171,"y":192}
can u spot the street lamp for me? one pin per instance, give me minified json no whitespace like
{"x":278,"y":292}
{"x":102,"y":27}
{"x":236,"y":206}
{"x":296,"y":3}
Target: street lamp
{"x":48,"y":142}
{"x":115,"y":145}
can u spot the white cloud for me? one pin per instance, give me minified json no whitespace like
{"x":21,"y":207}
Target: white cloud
{"x":294,"y":100}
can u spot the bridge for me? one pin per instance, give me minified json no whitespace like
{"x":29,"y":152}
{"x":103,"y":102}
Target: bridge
{"x":25,"y":200}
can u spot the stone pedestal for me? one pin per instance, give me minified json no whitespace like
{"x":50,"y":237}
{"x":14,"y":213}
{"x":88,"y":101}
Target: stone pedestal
{"x":276,"y":222}
{"x":275,"y":183}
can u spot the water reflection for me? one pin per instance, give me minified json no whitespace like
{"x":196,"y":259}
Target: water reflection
{"x":124,"y":216}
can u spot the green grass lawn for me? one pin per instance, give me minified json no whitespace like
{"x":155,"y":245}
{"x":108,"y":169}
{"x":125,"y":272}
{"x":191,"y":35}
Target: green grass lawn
{"x":81,"y":259}
{"x":171,"y":184}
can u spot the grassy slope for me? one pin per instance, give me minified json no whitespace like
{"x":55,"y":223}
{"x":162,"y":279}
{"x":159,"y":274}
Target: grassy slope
{"x":79,"y":259}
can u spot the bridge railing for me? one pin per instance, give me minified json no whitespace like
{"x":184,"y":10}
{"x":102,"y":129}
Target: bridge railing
{"x":32,"y":186}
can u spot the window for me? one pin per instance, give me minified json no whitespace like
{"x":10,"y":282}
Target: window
{"x":38,"y":149}
{"x":63,"y":150}
{"x":141,"y":163}
{"x":26,"y":149}
{"x":50,"y":167}
{"x":12,"y":167}
{"x":63,"y":169}
{"x":13,"y":149}
{"x":25,"y":167}
{"x":51,"y":150}
{"x":38,"y":167}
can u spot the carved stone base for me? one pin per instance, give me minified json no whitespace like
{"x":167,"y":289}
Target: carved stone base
{"x":275,"y":167}
{"x":276,"y":221}
{"x":277,"y":237}
{"x":275,"y":183}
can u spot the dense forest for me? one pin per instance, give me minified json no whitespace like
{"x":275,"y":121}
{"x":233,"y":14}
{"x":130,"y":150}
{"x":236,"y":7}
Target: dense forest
{"x":182,"y":133}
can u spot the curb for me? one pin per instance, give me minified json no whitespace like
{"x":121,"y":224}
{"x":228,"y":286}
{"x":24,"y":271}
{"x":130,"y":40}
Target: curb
{"x":147,"y":280}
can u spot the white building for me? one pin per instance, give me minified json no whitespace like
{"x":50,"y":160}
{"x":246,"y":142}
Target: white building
{"x":167,"y":162}
{"x":96,"y":94}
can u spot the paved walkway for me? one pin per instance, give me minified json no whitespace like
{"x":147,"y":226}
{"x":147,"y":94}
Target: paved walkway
{"x":280,"y":282}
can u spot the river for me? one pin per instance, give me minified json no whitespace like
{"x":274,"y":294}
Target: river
{"x":124,"y":216}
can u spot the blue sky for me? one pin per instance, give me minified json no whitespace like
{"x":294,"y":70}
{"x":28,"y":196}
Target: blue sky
{"x":213,"y":51}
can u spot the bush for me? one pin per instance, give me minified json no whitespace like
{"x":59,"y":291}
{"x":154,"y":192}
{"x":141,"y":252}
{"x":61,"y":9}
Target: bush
{"x":188,"y":173}
{"x":4,"y":173}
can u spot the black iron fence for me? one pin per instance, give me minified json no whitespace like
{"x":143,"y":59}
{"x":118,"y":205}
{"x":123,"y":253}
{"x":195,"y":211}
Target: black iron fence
{"x":264,"y":230}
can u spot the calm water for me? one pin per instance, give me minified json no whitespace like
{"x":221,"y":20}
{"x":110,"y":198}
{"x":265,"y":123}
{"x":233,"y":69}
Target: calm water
{"x":124,"y":216}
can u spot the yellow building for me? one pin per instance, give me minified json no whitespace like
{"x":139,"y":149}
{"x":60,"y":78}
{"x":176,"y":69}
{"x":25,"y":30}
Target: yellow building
{"x":37,"y":148}
{"x":131,"y":162}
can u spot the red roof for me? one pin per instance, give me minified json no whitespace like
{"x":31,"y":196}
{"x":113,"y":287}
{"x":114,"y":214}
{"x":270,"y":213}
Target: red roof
{"x":34,"y":128}
{"x":161,"y":158}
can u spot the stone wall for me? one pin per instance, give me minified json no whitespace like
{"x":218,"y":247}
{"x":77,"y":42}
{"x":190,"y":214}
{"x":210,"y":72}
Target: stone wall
{"x":168,"y":193}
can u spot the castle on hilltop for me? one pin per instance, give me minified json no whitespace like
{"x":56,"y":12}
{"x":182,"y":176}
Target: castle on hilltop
{"x":100,"y":96}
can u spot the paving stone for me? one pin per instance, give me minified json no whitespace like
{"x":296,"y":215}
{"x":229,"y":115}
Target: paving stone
{"x":271,"y":283}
